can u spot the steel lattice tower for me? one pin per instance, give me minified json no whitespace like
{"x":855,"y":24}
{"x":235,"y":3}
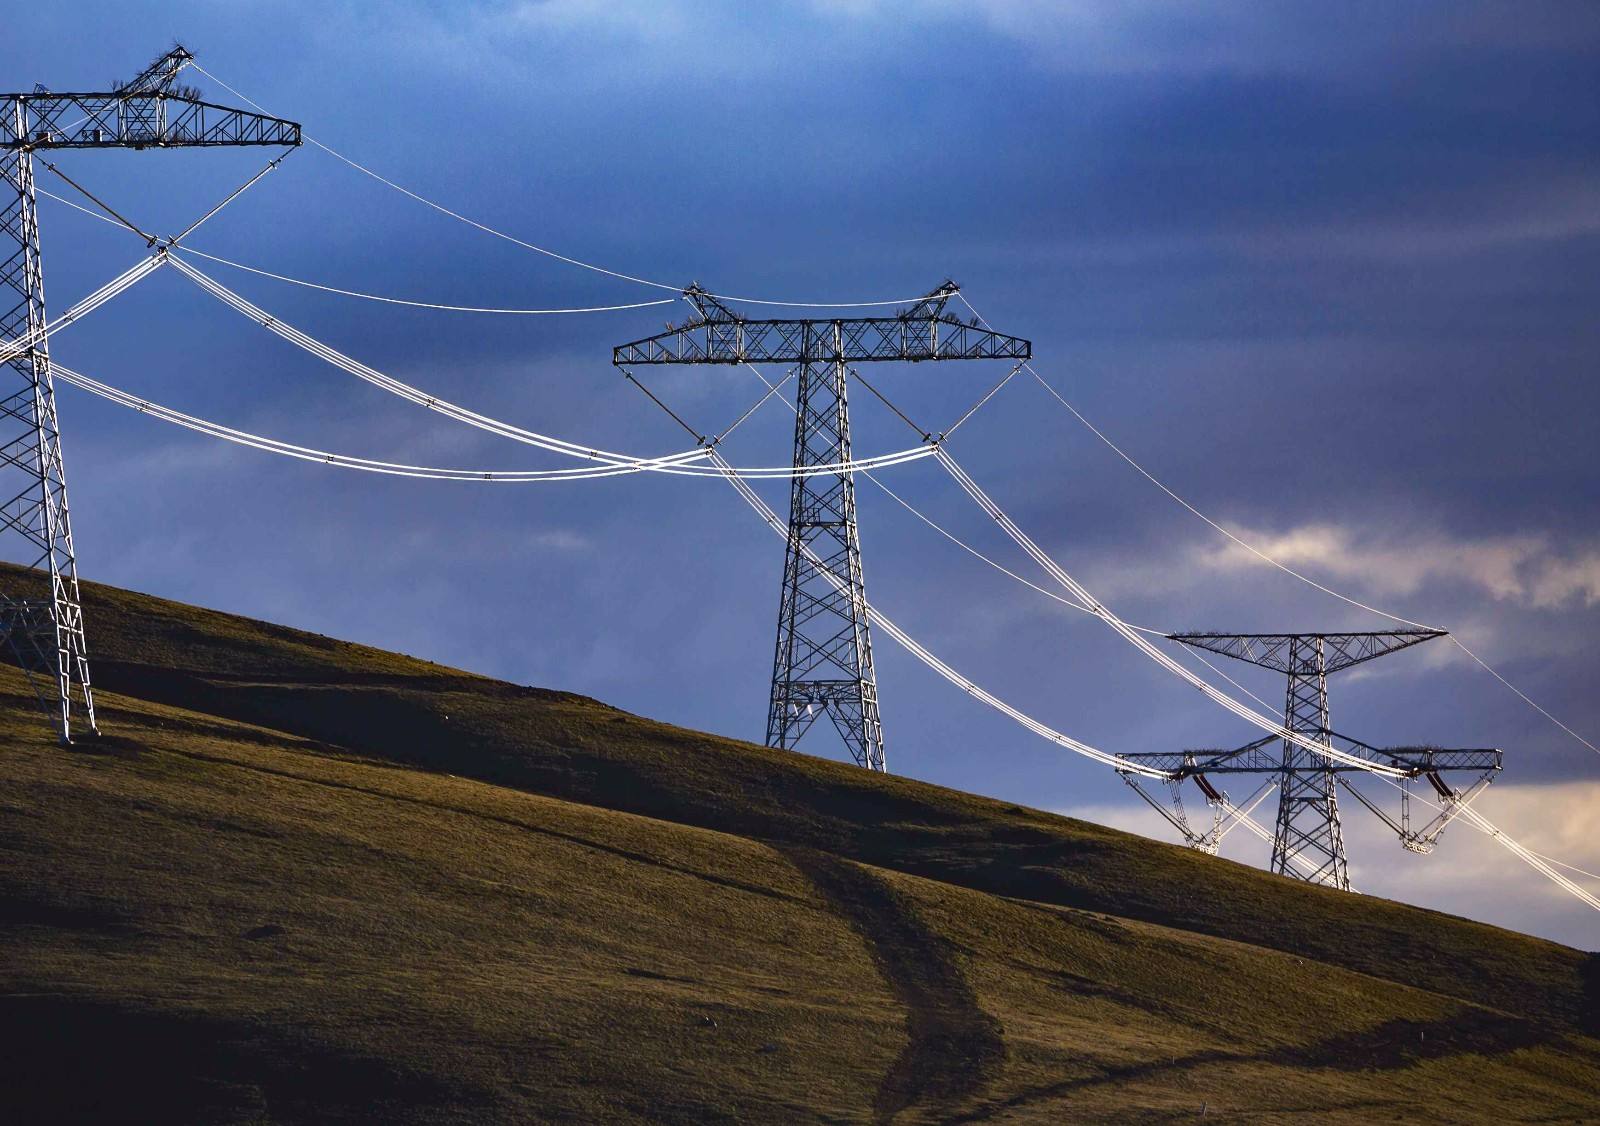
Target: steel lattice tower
{"x":148,"y":112}
{"x":1308,"y":841}
{"x":1308,"y":802}
{"x":35,"y":489}
{"x":822,"y":664}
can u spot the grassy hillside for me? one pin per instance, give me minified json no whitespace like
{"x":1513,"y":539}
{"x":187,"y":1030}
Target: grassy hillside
{"x":300,"y":879}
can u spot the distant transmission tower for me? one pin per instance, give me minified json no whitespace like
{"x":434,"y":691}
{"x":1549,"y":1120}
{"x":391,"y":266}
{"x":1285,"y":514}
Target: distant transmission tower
{"x":1308,"y":842}
{"x":823,"y":659}
{"x":147,"y":112}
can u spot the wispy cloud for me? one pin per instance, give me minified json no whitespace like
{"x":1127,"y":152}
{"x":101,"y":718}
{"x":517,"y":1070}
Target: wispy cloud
{"x":1468,"y":873}
{"x":1530,"y":569}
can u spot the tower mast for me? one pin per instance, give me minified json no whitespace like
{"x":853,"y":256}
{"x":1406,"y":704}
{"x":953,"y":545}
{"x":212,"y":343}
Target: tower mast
{"x":150,"y":111}
{"x":822,"y":664}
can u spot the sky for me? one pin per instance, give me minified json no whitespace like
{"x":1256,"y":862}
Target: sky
{"x":1326,"y":271}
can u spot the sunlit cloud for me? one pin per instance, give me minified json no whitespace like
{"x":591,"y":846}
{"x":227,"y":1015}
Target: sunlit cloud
{"x":1468,"y":873}
{"x":1529,"y":569}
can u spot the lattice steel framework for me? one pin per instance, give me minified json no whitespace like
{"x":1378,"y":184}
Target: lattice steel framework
{"x":1308,"y":802}
{"x":823,"y":659}
{"x":823,"y":663}
{"x":1308,"y":840}
{"x":47,"y":637}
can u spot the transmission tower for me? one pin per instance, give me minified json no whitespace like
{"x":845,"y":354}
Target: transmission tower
{"x":1308,"y":841}
{"x":823,"y":659}
{"x":150,"y":111}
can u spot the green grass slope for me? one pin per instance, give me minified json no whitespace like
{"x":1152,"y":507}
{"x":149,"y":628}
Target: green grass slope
{"x":305,"y":880}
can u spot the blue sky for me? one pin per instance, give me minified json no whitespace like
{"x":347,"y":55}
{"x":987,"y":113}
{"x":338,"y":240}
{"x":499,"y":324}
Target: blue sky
{"x":1330,"y":275}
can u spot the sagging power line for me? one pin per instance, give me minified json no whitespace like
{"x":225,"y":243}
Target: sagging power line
{"x":152,"y":112}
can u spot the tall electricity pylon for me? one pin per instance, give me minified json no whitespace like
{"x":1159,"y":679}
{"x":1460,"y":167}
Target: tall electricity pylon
{"x":151,"y":111}
{"x":1308,"y":842}
{"x":823,"y":659}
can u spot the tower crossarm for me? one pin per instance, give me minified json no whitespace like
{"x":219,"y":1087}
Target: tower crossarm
{"x":138,"y":119}
{"x":1264,"y":756}
{"x":920,"y":331}
{"x":1340,"y":650}
{"x":1253,"y":757}
{"x":1432,"y":760}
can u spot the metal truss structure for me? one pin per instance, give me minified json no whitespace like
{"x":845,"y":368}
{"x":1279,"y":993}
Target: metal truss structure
{"x":823,"y":659}
{"x":921,"y":331}
{"x":1308,"y":841}
{"x":26,"y":625}
{"x":145,"y":113}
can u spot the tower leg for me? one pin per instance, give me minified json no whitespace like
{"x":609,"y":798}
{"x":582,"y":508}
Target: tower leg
{"x":1308,"y":809}
{"x":823,"y":664}
{"x":47,"y":637}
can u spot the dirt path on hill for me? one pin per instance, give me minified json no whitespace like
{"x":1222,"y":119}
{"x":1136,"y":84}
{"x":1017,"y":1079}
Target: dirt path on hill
{"x":953,"y":1047}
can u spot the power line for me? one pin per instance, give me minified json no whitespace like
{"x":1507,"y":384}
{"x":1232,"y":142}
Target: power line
{"x":1078,"y":591}
{"x":386,"y":300}
{"x":544,"y":250}
{"x":1285,"y":568}
{"x":346,"y":461}
{"x":723,"y":468}
{"x":1327,"y":750}
{"x":29,"y":331}
{"x":424,"y":304}
{"x":11,"y":349}
{"x":146,"y":266}
{"x":780,"y":526}
{"x":667,"y":463}
{"x":324,"y":457}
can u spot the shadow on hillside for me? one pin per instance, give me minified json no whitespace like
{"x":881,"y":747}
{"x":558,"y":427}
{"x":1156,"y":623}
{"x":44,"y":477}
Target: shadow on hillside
{"x":74,"y":1059}
{"x":1589,"y":1014}
{"x":1390,"y":1046}
{"x":351,"y":700}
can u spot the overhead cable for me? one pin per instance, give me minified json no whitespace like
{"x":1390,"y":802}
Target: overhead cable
{"x":10,"y":349}
{"x":1077,"y":590}
{"x":1286,"y":569}
{"x":675,"y":463}
{"x":544,"y":250}
{"x":1085,"y":599}
{"x":512,"y":311}
{"x":303,"y":453}
{"x":906,"y":641}
{"x":426,"y":304}
{"x":1528,"y":856}
{"x":341,"y":461}
{"x":1266,"y":558}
